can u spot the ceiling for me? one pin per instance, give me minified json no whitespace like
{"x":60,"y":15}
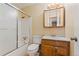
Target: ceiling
{"x":21,"y":5}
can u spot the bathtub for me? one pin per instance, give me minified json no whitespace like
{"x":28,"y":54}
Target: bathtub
{"x":21,"y":51}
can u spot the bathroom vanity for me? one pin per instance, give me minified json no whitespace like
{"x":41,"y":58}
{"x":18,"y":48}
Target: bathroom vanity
{"x":54,"y":46}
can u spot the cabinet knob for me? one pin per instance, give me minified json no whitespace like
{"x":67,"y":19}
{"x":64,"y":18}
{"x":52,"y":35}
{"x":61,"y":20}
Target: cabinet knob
{"x":56,"y":47}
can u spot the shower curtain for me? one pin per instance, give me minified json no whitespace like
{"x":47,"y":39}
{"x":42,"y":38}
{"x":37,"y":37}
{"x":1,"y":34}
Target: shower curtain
{"x":24,"y":31}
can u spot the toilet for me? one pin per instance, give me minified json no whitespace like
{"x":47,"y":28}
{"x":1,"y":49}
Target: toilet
{"x":33,"y":48}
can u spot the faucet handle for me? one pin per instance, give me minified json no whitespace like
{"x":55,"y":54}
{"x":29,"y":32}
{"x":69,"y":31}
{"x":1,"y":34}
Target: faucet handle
{"x":24,"y":38}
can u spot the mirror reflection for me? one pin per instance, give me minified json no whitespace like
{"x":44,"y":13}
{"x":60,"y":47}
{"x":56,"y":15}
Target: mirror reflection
{"x":54,"y":17}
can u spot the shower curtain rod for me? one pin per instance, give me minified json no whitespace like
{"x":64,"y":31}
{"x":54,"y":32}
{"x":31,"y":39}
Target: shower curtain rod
{"x":17,"y":9}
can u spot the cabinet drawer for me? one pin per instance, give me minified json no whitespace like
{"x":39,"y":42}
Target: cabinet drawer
{"x":48,"y":42}
{"x":62,"y":43}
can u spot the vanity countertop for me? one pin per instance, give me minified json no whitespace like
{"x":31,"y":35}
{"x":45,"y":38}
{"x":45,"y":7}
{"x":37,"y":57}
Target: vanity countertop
{"x":56,"y":38}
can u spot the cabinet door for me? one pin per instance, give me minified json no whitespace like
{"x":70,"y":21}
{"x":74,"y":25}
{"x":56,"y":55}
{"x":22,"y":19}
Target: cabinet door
{"x":47,"y":50}
{"x":62,"y":51}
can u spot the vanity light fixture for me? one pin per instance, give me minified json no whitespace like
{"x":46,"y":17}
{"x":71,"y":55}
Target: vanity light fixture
{"x":54,"y":5}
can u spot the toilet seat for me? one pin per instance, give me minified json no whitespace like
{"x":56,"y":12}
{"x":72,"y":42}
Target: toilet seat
{"x":32,"y":47}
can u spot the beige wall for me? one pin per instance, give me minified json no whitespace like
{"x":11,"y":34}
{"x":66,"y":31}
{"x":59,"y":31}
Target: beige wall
{"x":37,"y":17}
{"x":36,"y":12}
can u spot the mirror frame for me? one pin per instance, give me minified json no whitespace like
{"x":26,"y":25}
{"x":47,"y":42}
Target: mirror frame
{"x":55,"y":26}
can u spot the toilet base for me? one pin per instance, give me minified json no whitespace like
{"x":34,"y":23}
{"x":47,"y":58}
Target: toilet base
{"x":33,"y":54}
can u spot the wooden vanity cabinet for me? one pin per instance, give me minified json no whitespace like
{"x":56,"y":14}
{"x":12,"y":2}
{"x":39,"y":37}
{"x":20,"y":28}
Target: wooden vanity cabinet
{"x":47,"y":50}
{"x":54,"y":48}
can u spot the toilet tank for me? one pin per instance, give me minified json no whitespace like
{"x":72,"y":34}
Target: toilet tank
{"x":37,"y":39}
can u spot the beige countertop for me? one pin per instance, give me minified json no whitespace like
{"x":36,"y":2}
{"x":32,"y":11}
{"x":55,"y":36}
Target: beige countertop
{"x":55,"y":38}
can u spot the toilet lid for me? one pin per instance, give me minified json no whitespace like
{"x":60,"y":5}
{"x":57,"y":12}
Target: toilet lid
{"x":33,"y":46}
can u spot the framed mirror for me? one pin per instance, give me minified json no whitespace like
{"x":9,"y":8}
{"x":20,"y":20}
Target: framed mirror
{"x":54,"y":18}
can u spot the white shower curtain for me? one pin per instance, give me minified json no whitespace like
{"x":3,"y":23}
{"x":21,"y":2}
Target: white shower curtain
{"x":24,"y":31}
